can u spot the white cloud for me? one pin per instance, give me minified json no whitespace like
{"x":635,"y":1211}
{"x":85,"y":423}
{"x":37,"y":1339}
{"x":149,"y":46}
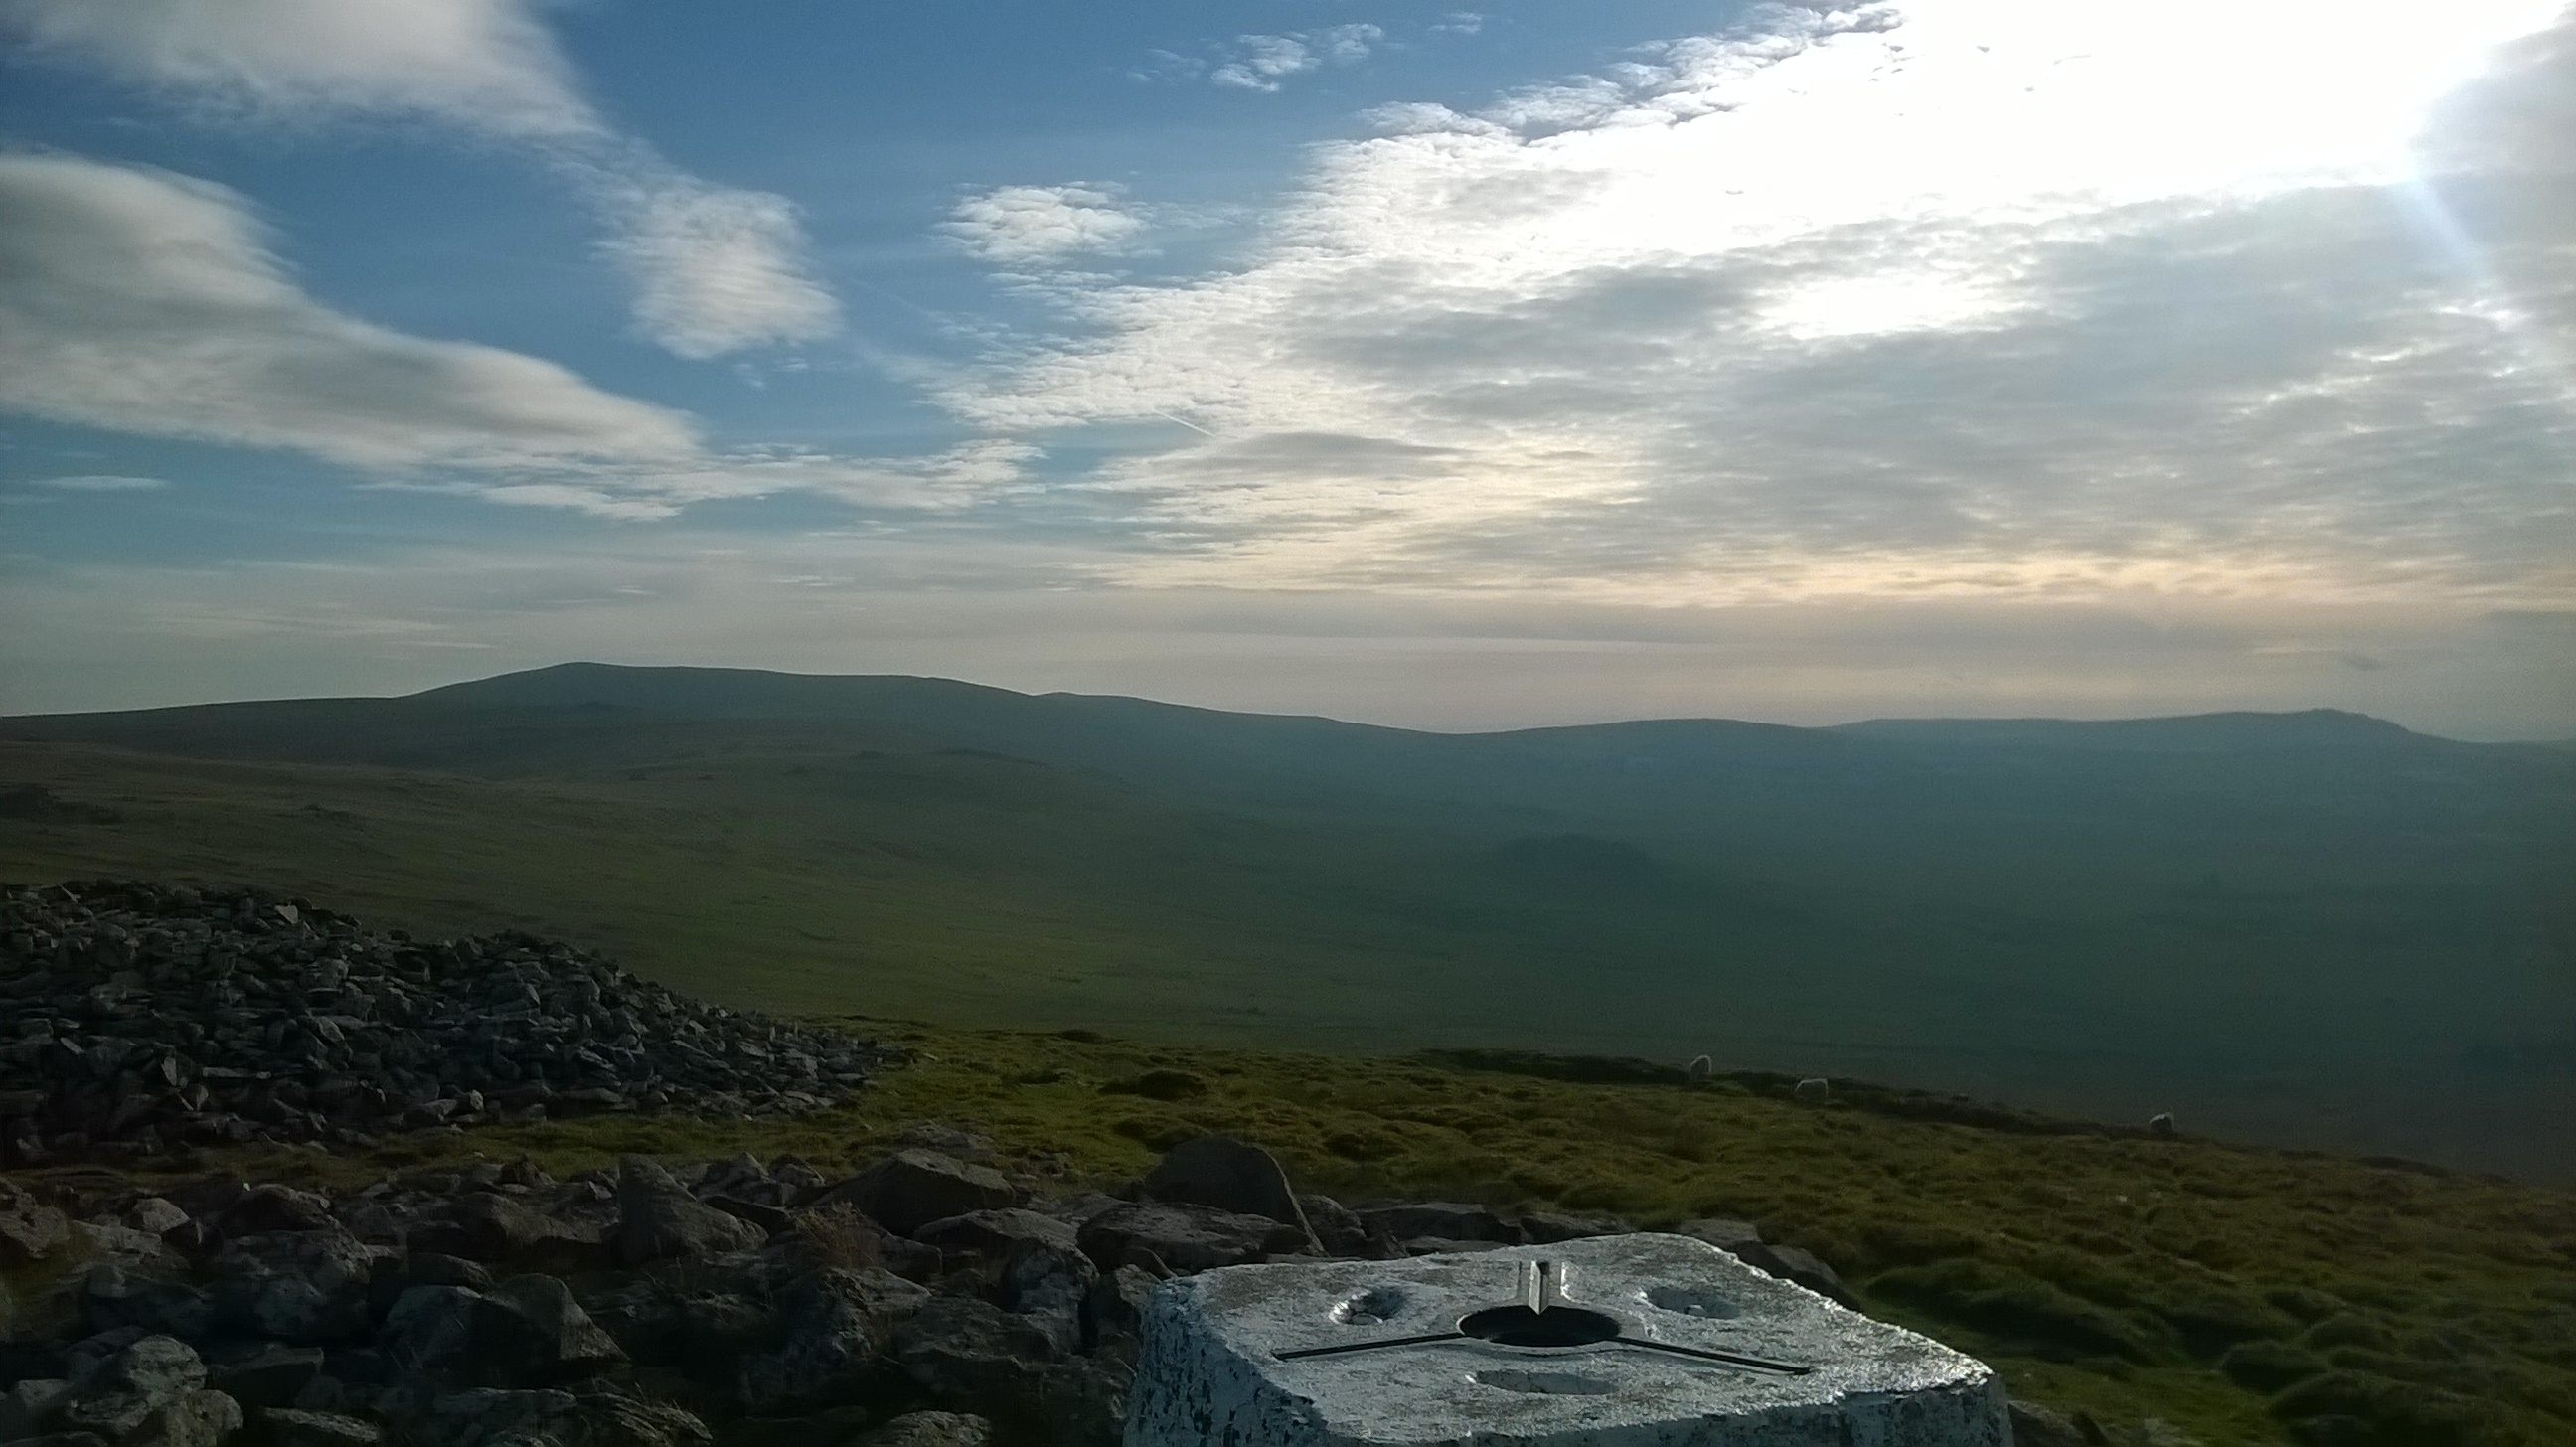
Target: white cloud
{"x":1021,"y":225}
{"x":148,"y":303}
{"x":481,"y":65}
{"x":101,"y":482}
{"x":714,"y":269}
{"x":1998,"y":297}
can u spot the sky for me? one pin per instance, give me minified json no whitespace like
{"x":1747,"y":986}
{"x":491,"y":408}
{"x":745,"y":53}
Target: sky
{"x":1450,"y":368}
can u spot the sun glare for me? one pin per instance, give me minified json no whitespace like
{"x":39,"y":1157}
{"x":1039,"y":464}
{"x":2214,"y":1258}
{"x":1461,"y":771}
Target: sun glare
{"x":1997,"y":110}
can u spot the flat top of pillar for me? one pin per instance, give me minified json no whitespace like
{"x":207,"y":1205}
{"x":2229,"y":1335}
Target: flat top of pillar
{"x":1615,"y":1331}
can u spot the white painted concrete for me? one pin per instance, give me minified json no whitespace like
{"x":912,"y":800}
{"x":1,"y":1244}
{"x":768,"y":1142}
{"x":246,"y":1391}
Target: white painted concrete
{"x":1222,"y":1365}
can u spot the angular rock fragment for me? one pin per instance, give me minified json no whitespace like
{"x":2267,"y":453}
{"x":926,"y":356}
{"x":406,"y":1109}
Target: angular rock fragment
{"x":1338,"y":1229}
{"x":1441,"y":1220}
{"x":1048,"y":1285}
{"x":1546,"y":1228}
{"x":29,"y":1232}
{"x":269,"y":1377}
{"x":995,"y":1233}
{"x":658,"y":1218}
{"x":910,"y":1189}
{"x":150,"y":1393}
{"x":1184,"y":1238}
{"x":555,"y":1339}
{"x":930,"y":1429}
{"x":1230,"y":1175}
{"x":269,"y":1208}
{"x":289,"y":1427}
{"x":113,"y":1297}
{"x":528,"y":1332}
{"x":836,"y":1325}
{"x":305,"y":1287}
{"x":492,"y":1228}
{"x":960,"y":1349}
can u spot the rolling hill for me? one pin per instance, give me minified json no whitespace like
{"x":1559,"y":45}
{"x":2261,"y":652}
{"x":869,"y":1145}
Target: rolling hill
{"x":2314,"y":929}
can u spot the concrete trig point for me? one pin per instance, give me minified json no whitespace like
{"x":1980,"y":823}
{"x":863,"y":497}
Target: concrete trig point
{"x":1658,"y":1341}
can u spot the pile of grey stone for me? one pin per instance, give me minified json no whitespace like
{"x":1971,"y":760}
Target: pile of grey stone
{"x":140,"y":1018}
{"x":927,"y":1301}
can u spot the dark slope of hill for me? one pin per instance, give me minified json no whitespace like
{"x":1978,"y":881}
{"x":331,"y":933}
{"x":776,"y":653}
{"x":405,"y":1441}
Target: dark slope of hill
{"x":2215,"y":770}
{"x":2317,"y":928}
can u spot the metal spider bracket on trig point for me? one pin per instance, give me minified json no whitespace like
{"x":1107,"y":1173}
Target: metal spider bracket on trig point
{"x":1657,"y":1341}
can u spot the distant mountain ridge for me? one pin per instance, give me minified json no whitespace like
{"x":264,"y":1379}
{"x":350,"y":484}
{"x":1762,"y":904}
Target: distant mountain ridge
{"x":2303,"y":728}
{"x":1669,"y":770}
{"x":1106,"y":730}
{"x":766,"y":693}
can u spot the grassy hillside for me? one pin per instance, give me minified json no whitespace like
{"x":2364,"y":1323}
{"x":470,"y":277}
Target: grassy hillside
{"x":2313,"y":929}
{"x":2228,"y":1292}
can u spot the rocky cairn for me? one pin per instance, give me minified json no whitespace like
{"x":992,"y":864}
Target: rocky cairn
{"x":652,"y":1305}
{"x":138,"y":1018}
{"x":933,"y":1299}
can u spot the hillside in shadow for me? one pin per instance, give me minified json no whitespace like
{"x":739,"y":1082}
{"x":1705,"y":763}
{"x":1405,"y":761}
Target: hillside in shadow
{"x":2314,"y":929}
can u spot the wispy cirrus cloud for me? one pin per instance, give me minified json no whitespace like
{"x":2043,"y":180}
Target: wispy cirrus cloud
{"x":1894,"y":301}
{"x":100,"y":482}
{"x":151,"y":304}
{"x":1267,"y":62}
{"x":715,"y":269}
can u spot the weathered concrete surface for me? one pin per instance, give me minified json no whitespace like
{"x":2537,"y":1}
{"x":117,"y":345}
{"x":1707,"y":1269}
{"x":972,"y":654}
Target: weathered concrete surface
{"x":1213,"y":1373}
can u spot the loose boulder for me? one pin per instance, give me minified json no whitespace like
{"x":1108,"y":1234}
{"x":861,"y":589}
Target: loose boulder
{"x":1184,"y":1237}
{"x":529,"y":1332}
{"x":1547,"y":1228}
{"x":2037,"y":1426}
{"x":1789,"y":1263}
{"x":658,"y":1218}
{"x":505,"y":1230}
{"x":1230,"y":1175}
{"x":488,"y":1417}
{"x":288,"y":1427}
{"x":837,"y":1324}
{"x":151,"y":1393}
{"x":1442,"y":1220}
{"x":930,"y":1429}
{"x":555,"y":1339}
{"x":1337,"y":1228}
{"x":910,"y":1189}
{"x":1732,"y":1237}
{"x":263,"y":1209}
{"x":995,"y":1233}
{"x":29,"y":1232}
{"x":1048,"y":1284}
{"x":305,"y":1287}
{"x":269,"y":1377}
{"x":963,"y":1350}
{"x":113,"y":1297}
